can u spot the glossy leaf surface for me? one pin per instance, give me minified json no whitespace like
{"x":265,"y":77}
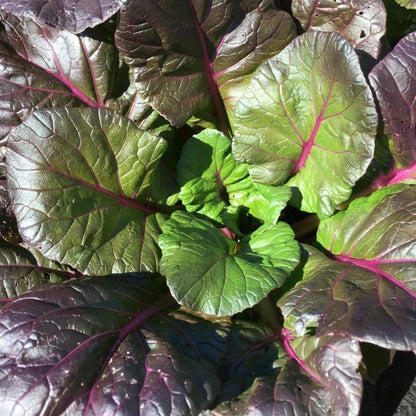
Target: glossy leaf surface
{"x":331,"y":384}
{"x":43,"y":67}
{"x":78,"y":180}
{"x":105,"y":346}
{"x":211,"y":181}
{"x":207,"y":271}
{"x":367,"y":291}
{"x":308,"y":113}
{"x":72,"y":15}
{"x":189,"y":56}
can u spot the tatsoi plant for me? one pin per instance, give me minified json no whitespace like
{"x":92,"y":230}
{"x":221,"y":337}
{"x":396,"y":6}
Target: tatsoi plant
{"x":207,"y":207}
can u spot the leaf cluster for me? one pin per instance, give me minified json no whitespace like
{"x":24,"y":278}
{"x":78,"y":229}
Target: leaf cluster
{"x":206,"y":207}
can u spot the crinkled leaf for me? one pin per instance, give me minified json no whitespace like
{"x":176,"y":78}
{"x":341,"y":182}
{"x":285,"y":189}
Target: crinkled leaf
{"x":409,"y":4}
{"x":308,"y":113}
{"x":189,"y":56}
{"x":251,"y":352}
{"x":19,"y":271}
{"x":331,"y":384}
{"x":394,"y":81}
{"x":208,"y":272}
{"x":78,"y":179}
{"x":367,"y":291}
{"x":362,"y":23}
{"x":211,"y":180}
{"x":106,"y":346}
{"x":45,"y":67}
{"x":72,"y":15}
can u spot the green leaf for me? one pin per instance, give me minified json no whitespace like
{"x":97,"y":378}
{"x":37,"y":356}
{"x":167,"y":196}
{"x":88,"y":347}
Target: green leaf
{"x":208,"y":272}
{"x":211,"y":180}
{"x":78,"y":180}
{"x":408,"y":4}
{"x":308,"y":114}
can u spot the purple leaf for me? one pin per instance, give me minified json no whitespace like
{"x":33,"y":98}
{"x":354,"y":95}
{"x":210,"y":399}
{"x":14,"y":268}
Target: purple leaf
{"x":72,"y":15}
{"x":394,"y":81}
{"x":362,"y":23}
{"x":46,"y":67}
{"x":367,"y":291}
{"x":189,"y":56}
{"x":78,"y":181}
{"x":105,"y":346}
{"x":331,"y":385}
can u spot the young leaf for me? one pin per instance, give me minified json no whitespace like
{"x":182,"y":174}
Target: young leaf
{"x":189,"y":56}
{"x":45,"y":67}
{"x":308,"y":113}
{"x":211,"y":273}
{"x":394,"y":81}
{"x":72,"y":15}
{"x":106,"y":346}
{"x":367,"y":290}
{"x":78,"y":180}
{"x":362,"y":23}
{"x":211,"y":180}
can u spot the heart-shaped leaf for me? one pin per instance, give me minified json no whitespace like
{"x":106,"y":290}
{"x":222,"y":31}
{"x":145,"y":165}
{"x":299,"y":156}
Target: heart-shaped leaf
{"x":78,"y":182}
{"x":308,"y":113}
{"x":209,"y":272}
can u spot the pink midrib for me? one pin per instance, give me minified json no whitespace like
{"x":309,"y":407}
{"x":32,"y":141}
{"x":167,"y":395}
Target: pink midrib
{"x":307,"y":147}
{"x":396,"y":176}
{"x":211,"y":76}
{"x":373,"y":266}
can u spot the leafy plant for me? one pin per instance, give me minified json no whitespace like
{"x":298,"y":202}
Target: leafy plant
{"x":207,"y":207}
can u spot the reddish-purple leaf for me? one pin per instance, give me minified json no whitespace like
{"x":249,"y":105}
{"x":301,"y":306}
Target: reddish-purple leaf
{"x":72,"y":15}
{"x":362,"y":23}
{"x":394,"y":81}
{"x":192,"y":57}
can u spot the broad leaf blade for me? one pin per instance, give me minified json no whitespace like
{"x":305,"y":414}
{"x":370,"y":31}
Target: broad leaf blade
{"x":308,"y":113}
{"x":362,"y":23}
{"x":394,"y":81}
{"x":208,"y":272}
{"x":367,"y":291}
{"x":189,"y":56}
{"x":46,"y":67}
{"x":72,"y":15}
{"x":78,"y":180}
{"x":106,"y":346}
{"x":332,"y":384}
